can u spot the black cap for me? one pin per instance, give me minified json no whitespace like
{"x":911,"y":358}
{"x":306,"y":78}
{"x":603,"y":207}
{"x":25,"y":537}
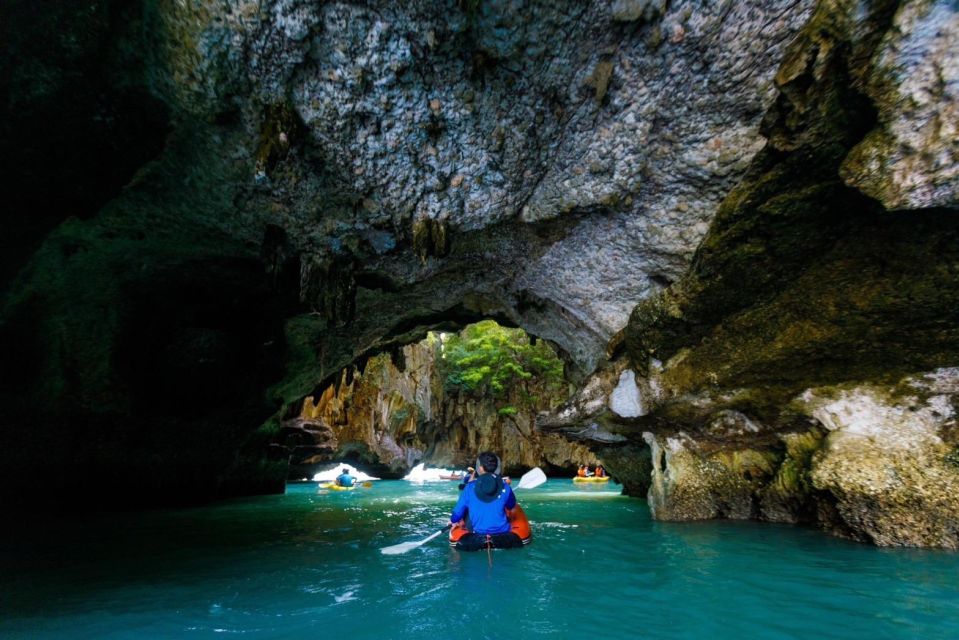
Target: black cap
{"x":488,"y":486}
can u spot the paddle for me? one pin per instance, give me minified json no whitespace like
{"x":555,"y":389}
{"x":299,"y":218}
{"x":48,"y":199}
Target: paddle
{"x":532,"y":478}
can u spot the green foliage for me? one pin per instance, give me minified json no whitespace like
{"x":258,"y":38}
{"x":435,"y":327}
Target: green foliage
{"x":488,"y":359}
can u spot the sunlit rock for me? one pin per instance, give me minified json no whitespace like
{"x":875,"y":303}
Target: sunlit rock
{"x":391,"y":418}
{"x":626,"y":400}
{"x":890,"y":461}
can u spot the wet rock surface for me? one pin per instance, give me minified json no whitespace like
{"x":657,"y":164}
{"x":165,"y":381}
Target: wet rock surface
{"x":874,"y":464}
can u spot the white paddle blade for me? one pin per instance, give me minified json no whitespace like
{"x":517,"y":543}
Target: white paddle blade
{"x":397,"y":549}
{"x":532,"y":478}
{"x":403,"y":547}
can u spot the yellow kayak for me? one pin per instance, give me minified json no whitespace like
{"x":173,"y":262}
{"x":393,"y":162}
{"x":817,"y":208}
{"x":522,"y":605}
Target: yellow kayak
{"x":332,"y":486}
{"x":591,"y":479}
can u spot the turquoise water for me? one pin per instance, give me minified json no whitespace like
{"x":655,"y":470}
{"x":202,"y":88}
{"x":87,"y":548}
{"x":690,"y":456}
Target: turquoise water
{"x":304,"y":565}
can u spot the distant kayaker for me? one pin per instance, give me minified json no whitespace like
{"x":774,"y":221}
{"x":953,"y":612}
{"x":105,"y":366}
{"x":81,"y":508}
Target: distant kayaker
{"x":345,"y":479}
{"x":600,"y":471}
{"x":583,"y":471}
{"x":485,"y":501}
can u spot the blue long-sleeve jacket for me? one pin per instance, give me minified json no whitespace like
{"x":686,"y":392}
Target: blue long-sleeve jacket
{"x":485,"y":517}
{"x":345,"y":480}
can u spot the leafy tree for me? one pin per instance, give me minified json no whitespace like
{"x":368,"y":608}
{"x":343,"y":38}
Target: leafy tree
{"x":489,"y":359}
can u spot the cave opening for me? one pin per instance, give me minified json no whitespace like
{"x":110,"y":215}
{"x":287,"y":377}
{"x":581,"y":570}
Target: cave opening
{"x":461,"y":388}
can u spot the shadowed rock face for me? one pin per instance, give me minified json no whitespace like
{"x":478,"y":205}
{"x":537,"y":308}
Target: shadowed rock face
{"x":78,"y":120}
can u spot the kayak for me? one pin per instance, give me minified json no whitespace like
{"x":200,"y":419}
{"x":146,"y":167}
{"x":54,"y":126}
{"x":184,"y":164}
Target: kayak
{"x":332,"y":486}
{"x":451,"y":477}
{"x":518,"y":524}
{"x":591,"y":479}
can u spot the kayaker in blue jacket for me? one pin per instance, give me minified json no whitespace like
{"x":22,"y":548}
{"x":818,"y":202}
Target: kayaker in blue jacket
{"x":485,"y":501}
{"x":345,"y":479}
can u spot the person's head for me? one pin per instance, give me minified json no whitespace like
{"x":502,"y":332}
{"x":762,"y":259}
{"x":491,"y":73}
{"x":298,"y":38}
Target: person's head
{"x":487,"y":462}
{"x":488,"y":483}
{"x":345,"y":470}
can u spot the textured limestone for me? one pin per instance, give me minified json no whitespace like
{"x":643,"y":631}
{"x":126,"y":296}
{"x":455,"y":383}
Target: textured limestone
{"x":337,"y":179}
{"x":911,"y":159}
{"x":789,"y":497}
{"x":802,"y":283}
{"x":689,"y":483}
{"x":432,"y":115}
{"x":348,"y":176}
{"x":886,"y":461}
{"x":875,"y":463}
{"x":626,"y":400}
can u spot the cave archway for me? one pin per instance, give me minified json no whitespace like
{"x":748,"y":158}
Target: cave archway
{"x":439,"y":400}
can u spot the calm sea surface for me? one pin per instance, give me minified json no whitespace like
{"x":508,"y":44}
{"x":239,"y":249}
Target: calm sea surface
{"x":307,"y":565}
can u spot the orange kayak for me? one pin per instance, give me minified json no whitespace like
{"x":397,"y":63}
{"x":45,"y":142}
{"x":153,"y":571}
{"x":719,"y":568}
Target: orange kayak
{"x":519,"y":524}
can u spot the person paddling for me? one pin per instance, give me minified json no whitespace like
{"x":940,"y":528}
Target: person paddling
{"x":485,"y":501}
{"x":600,"y":471}
{"x":345,"y":479}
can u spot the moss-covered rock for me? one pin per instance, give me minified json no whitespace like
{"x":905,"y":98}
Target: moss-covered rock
{"x":911,"y":159}
{"x":885,"y":462}
{"x":699,"y":481}
{"x":789,"y":496}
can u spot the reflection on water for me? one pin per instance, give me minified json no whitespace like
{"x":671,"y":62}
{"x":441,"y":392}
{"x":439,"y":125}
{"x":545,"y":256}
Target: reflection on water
{"x":306,"y":565}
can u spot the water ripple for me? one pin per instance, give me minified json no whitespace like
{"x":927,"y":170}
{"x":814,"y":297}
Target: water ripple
{"x":305,"y":565}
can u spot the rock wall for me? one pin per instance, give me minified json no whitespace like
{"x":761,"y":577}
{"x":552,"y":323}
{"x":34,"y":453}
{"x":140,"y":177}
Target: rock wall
{"x":876,"y":464}
{"x":295,"y":186}
{"x":801,"y":370}
{"x":390,"y":418}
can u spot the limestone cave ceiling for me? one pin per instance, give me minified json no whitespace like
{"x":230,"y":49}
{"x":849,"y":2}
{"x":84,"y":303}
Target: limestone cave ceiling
{"x":549,"y":162}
